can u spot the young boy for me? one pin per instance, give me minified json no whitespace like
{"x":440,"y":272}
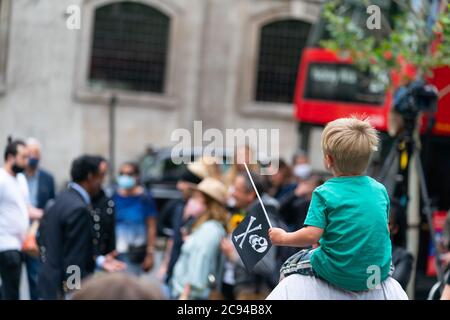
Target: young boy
{"x":348,"y":215}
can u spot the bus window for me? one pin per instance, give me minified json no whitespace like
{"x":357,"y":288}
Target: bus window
{"x":342,"y":82}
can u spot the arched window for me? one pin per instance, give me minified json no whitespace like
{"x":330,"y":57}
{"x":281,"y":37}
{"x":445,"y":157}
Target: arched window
{"x":281,"y":45}
{"x":129,"y":48}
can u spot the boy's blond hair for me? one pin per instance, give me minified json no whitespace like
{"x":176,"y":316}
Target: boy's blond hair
{"x":350,"y":142}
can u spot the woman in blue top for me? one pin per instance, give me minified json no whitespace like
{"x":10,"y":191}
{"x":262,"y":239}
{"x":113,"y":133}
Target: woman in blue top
{"x":135,"y":221}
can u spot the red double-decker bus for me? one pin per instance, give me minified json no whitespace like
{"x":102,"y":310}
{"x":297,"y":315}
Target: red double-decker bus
{"x":329,"y":87}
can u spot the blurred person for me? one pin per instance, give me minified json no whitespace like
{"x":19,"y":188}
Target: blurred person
{"x":41,"y":185}
{"x":182,"y":217}
{"x":294,"y":205}
{"x":402,"y":260}
{"x":444,"y":243}
{"x":302,"y":169}
{"x":210,"y":164}
{"x":117,"y":286}
{"x":14,"y":217}
{"x":300,"y":157}
{"x":445,"y":257}
{"x":281,"y":180}
{"x":199,"y":260}
{"x":242,"y":154}
{"x":257,"y":283}
{"x":445,"y":240}
{"x":135,"y":221}
{"x":293,"y":210}
{"x":65,"y":234}
{"x":446,"y":291}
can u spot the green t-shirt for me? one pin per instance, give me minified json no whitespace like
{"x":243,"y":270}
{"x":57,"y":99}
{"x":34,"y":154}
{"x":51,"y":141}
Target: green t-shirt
{"x":355,"y":248}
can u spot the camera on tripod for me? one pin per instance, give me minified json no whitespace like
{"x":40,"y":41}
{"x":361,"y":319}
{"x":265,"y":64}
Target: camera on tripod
{"x":414,"y":98}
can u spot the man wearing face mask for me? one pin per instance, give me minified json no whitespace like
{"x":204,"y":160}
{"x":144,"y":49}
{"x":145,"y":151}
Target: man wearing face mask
{"x":302,"y":168}
{"x":14,"y":217}
{"x":41,"y":185}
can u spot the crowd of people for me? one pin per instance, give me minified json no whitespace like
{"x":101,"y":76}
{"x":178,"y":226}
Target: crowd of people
{"x":112,"y":229}
{"x":107,"y":235}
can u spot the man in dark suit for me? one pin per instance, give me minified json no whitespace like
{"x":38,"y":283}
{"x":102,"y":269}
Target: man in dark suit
{"x":66,"y":235}
{"x":42,"y":189}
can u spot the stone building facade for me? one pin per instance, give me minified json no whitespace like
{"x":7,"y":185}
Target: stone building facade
{"x":167,"y":62}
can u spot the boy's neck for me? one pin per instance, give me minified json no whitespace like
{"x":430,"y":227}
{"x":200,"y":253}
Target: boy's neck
{"x":346,"y":175}
{"x":339,"y":174}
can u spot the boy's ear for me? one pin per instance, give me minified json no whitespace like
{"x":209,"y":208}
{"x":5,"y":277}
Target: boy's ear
{"x":329,"y":160}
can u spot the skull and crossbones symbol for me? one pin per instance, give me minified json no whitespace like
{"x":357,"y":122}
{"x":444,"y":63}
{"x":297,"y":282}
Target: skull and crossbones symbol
{"x":243,"y":236}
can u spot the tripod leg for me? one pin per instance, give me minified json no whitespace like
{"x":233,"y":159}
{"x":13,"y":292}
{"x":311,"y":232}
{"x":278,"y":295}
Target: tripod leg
{"x":426,"y":209}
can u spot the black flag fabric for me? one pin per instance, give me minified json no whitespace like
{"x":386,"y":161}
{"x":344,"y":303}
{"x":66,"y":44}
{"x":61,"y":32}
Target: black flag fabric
{"x":251,"y":238}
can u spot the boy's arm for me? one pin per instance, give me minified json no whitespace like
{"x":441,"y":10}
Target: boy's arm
{"x":304,"y":237}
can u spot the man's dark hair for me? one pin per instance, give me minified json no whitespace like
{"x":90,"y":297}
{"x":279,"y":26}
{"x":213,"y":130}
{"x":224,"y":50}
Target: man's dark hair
{"x":85,"y":165}
{"x":134,"y":166}
{"x":260,"y":182}
{"x":11,"y":147}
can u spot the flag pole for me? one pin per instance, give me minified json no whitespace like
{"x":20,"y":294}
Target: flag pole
{"x":257,"y":194}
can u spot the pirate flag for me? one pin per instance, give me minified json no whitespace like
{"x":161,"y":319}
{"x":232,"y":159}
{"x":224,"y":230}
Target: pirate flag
{"x":251,"y":239}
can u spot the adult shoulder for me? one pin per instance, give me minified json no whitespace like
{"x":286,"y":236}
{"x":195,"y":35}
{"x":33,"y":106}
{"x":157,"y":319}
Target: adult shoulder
{"x":70,"y":199}
{"x":3,"y":173}
{"x":46,"y":174}
{"x":212,"y":229}
{"x":21,"y":178}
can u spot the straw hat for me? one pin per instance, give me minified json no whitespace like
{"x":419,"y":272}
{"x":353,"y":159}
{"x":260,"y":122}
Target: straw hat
{"x":198,"y":168}
{"x":214,"y":189}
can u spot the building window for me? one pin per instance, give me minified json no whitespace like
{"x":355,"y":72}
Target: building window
{"x":129,"y":48}
{"x":281,"y":45}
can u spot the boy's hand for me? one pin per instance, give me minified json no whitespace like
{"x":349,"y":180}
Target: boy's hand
{"x":277,"y":236}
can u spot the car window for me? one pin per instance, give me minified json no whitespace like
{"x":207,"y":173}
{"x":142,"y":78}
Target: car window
{"x":162,"y":169}
{"x":173,"y":172}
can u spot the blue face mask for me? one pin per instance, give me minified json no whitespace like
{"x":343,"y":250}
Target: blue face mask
{"x":33,"y":163}
{"x":126,"y":182}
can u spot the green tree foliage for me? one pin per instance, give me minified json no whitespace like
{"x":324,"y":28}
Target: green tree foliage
{"x":405,"y":36}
